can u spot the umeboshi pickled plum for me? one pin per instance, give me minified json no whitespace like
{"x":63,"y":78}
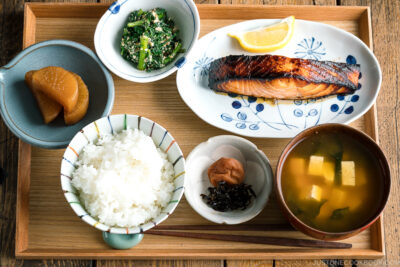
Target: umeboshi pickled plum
{"x":48,"y":107}
{"x":58,"y":84}
{"x":229,"y":170}
{"x":81,"y":106}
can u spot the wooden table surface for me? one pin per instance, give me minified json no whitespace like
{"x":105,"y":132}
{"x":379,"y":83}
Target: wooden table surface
{"x":386,"y":36}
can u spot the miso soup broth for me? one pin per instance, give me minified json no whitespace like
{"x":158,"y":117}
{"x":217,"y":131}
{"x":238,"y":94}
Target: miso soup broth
{"x":330,"y":182}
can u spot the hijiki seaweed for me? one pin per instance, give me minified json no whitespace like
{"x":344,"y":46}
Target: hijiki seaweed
{"x":228,"y":197}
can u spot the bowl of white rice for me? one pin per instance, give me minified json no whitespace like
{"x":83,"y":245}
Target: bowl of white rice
{"x":123,"y":174}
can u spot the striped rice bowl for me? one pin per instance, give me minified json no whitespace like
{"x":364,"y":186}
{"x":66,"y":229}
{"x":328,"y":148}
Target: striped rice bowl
{"x":123,"y":174}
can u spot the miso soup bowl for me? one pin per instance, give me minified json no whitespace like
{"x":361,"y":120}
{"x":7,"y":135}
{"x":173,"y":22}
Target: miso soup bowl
{"x":384,"y":177}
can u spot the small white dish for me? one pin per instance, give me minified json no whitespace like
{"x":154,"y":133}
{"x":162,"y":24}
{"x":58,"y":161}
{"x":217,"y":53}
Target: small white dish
{"x":258,"y":174}
{"x":255,"y":117}
{"x":109,"y":31}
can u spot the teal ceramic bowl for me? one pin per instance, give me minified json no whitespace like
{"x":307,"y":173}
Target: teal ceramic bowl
{"x":19,"y":109}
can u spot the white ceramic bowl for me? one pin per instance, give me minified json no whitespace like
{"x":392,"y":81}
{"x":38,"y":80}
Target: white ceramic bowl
{"x":115,"y":124}
{"x":258,"y":174}
{"x":109,"y":31}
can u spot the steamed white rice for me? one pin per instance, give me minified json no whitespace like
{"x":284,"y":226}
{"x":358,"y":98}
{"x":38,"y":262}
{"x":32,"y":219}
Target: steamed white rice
{"x":124,"y":179}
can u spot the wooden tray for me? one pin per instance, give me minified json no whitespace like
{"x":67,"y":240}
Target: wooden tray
{"x":48,"y":228}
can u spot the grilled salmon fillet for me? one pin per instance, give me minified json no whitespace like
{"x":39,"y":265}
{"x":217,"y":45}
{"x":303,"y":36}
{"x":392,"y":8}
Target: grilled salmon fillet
{"x":279,"y":77}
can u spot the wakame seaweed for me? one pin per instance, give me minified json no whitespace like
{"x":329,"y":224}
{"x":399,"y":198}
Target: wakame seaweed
{"x":150,"y":39}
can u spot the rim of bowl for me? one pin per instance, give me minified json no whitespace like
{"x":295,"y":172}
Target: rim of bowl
{"x":172,"y":68}
{"x":139,"y":228}
{"x":55,"y":42}
{"x":299,"y":138}
{"x":264,"y":159}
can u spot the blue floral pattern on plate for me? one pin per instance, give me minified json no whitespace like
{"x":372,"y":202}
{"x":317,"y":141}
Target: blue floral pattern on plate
{"x":202,"y":66}
{"x":310,"y":48}
{"x":257,"y":117}
{"x":304,"y":111}
{"x":344,"y":103}
{"x":248,"y":114}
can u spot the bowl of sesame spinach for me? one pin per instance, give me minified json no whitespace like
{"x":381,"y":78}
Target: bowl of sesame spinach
{"x":150,"y":39}
{"x":145,"y":41}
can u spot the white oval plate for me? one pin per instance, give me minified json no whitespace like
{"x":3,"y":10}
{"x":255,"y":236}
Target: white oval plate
{"x":255,"y":117}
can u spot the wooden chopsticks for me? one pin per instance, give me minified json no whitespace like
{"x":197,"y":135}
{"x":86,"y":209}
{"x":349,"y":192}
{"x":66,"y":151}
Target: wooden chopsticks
{"x":166,"y":230}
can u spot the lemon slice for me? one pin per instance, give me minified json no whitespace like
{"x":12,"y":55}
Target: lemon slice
{"x":267,"y":39}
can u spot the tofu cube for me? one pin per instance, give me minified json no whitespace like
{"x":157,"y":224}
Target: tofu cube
{"x":348,"y":173}
{"x":297,"y":166}
{"x":316,"y":165}
{"x":329,"y":172}
{"x":313,"y":192}
{"x":316,"y":192}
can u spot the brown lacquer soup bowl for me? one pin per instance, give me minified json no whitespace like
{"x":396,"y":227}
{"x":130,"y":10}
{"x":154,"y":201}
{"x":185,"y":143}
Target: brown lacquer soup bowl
{"x":314,"y":207}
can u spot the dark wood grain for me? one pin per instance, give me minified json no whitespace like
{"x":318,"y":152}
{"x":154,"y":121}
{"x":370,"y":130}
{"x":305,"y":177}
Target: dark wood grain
{"x":11,"y":24}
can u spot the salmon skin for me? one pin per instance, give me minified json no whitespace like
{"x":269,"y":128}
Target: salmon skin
{"x":279,"y":77}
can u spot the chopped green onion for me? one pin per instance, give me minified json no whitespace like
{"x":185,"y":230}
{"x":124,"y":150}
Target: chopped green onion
{"x":144,"y":41}
{"x":173,"y":54}
{"x":136,"y":23}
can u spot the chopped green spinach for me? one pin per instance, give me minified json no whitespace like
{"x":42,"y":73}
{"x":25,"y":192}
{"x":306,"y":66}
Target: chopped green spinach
{"x":150,"y":39}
